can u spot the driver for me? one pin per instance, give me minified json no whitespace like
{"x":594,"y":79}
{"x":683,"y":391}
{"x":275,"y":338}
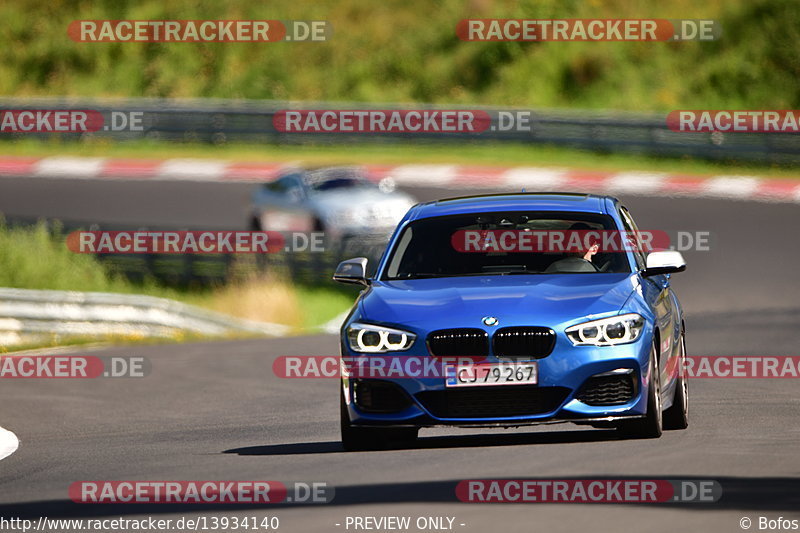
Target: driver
{"x":579,"y":261}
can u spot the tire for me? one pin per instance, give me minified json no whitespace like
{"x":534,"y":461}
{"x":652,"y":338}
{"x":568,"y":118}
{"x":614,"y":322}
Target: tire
{"x":677,"y":416}
{"x":363,"y":439}
{"x":651,"y":426}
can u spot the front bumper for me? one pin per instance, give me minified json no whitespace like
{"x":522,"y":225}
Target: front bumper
{"x":557,"y":398}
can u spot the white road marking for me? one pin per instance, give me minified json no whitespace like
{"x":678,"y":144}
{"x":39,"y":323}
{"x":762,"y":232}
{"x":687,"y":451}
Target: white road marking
{"x":445,"y":176}
{"x":731,"y":186}
{"x":69,"y":167}
{"x":636,"y":182}
{"x":193,"y":169}
{"x":533,"y":179}
{"x":424,"y":175}
{"x":8,"y":443}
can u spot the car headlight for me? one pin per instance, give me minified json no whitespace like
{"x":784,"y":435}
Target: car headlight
{"x":366,"y":338}
{"x":610,"y":331}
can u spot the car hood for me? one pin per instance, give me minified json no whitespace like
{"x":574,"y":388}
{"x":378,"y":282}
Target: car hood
{"x":368,"y":197}
{"x":542,"y":300}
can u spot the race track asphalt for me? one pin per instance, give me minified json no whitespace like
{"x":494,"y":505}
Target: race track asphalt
{"x":215,"y":411}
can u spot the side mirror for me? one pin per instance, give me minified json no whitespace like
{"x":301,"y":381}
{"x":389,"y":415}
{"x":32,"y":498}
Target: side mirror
{"x":352,"y":271}
{"x":665,"y":262}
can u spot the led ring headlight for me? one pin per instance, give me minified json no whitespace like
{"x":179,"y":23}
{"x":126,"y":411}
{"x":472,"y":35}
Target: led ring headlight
{"x":383,"y":343}
{"x":367,"y":338}
{"x":621,"y":329}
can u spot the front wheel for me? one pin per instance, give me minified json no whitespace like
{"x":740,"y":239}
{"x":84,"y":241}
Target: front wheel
{"x":651,"y":426}
{"x":677,"y":416}
{"x":362,"y":439}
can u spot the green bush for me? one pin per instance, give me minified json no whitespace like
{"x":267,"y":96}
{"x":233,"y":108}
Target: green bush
{"x":38,"y":258}
{"x":407,"y":51}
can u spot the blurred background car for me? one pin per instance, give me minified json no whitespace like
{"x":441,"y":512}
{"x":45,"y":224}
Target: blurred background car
{"x":341,"y":202}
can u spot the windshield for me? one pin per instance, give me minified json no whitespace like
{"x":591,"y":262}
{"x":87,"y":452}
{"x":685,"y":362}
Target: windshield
{"x":492,"y":244}
{"x":328,"y":183}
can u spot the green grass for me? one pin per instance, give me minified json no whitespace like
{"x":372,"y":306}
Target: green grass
{"x":37,"y":258}
{"x":58,"y":341}
{"x":407,"y":51}
{"x":489,"y":154}
{"x":323,"y":303}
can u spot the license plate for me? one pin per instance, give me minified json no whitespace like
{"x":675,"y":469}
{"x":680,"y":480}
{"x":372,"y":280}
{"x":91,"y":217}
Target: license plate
{"x":485,"y":374}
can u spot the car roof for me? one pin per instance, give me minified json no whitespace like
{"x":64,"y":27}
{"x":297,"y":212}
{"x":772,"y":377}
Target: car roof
{"x":522,"y":201}
{"x":323,"y":174}
{"x":320,"y":175}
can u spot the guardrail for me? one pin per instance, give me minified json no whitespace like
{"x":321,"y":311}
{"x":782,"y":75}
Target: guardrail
{"x":221,"y":121}
{"x":310,"y":268}
{"x":205,"y":269}
{"x":26,"y":312}
{"x":307,"y":267}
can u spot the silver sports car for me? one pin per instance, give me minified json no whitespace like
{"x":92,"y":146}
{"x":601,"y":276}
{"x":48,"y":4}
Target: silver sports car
{"x":340,"y":201}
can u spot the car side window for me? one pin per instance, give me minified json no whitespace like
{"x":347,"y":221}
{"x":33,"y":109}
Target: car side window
{"x":294,"y":188}
{"x":278,"y":186}
{"x":630,"y":226}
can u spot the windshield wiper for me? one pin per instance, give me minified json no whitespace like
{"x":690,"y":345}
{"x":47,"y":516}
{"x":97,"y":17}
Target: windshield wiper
{"x":506,"y":270}
{"x":429,"y":275}
{"x":421,"y":275}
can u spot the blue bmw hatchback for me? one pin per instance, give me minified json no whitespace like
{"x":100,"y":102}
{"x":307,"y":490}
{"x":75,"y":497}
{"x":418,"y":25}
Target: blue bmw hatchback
{"x":528,"y":334}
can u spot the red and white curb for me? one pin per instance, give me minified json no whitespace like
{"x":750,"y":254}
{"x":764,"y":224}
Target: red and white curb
{"x":440,"y":176}
{"x":8,"y":443}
